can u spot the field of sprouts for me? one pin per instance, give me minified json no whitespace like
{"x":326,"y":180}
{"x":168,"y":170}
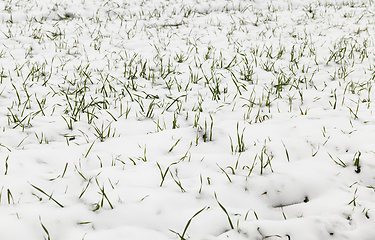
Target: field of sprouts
{"x":187,"y":119}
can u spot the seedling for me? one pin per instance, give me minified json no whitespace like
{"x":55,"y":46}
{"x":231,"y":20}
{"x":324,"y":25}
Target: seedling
{"x":282,"y":211}
{"x":226,"y":174}
{"x":104,"y":195}
{"x":177,"y":180}
{"x":193,"y":77}
{"x":353,"y":201}
{"x":208,"y":131}
{"x":240,"y":142}
{"x":6,"y":165}
{"x":174,"y":145}
{"x":225,"y":211}
{"x":187,"y":154}
{"x":144,"y":158}
{"x":247,"y":71}
{"x":339,"y":162}
{"x":10,"y":197}
{"x":65,"y":168}
{"x":164,"y":174}
{"x":255,"y":214}
{"x":366,"y":212}
{"x":89,"y":149}
{"x":252,"y":166}
{"x":174,"y":122}
{"x":42,"y":138}
{"x":286,"y":151}
{"x":356,"y":162}
{"x":23,"y":123}
{"x":48,"y":195}
{"x":201,"y":183}
{"x":175,"y":100}
{"x":180,"y":57}
{"x":182,"y":236}
{"x":85,"y":188}
{"x":80,"y":173}
{"x":104,"y":132}
{"x":69,"y":122}
{"x":149,"y":113}
{"x":45,"y":230}
{"x":265,"y":158}
{"x":239,"y":86}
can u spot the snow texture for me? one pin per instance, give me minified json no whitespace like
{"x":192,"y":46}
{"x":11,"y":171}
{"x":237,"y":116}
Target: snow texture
{"x":187,"y":119}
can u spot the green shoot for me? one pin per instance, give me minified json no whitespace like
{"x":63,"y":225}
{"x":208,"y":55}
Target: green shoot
{"x":356,"y":161}
{"x":240,"y":142}
{"x":339,"y":162}
{"x":225,"y":211}
{"x":182,"y":236}
{"x":88,"y":150}
{"x":48,"y":195}
{"x":6,"y":165}
{"x":10,"y":197}
{"x":177,"y":181}
{"x":44,"y":229}
{"x":174,"y":145}
{"x":164,"y":174}
{"x":226,"y":174}
{"x":286,"y":152}
{"x":104,"y":195}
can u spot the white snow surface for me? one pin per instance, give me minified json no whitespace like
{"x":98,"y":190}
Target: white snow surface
{"x":187,"y":119}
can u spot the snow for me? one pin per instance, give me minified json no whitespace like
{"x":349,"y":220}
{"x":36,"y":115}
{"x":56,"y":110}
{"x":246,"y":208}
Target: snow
{"x":202,"y":120}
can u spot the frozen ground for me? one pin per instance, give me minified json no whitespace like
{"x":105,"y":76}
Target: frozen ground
{"x":187,"y":119}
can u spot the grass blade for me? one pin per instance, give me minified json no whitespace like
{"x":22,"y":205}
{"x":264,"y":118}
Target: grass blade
{"x":182,"y":236}
{"x":49,"y":196}
{"x":225,"y":211}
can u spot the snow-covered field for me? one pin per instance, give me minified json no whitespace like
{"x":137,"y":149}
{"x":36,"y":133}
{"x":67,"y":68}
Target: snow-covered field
{"x":187,"y":119}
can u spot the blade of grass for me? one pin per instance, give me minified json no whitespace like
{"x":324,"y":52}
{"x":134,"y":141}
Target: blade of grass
{"x":226,"y":174}
{"x":182,"y":236}
{"x":88,"y":151}
{"x":49,"y":196}
{"x":45,"y":229}
{"x":225,"y":211}
{"x":174,"y":145}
